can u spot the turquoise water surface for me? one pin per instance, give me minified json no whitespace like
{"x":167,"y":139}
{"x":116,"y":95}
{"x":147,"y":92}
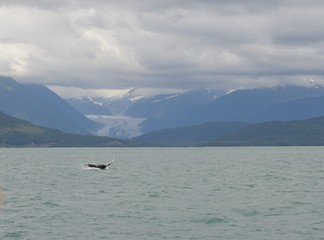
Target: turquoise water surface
{"x":163,"y":193}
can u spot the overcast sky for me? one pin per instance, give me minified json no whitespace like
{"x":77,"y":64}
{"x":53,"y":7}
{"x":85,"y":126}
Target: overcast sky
{"x":162,"y":44}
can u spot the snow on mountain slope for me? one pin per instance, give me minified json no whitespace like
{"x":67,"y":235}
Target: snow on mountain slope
{"x":115,"y":105}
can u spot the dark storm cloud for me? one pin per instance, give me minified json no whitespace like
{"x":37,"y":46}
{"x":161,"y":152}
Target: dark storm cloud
{"x":162,"y":43}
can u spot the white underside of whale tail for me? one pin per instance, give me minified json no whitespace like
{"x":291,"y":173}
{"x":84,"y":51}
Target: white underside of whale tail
{"x":110,"y":162}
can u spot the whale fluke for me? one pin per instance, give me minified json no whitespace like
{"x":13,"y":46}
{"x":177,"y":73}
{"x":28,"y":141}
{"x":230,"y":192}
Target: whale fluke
{"x":99,"y":166}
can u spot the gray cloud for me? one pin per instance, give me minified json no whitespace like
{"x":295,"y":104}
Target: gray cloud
{"x":162,"y":44}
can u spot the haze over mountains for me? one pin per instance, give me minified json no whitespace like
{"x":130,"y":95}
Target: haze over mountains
{"x":129,"y":115}
{"x":200,"y":106}
{"x":41,"y":106}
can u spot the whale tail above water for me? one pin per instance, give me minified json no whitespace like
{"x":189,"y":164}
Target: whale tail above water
{"x":99,"y":166}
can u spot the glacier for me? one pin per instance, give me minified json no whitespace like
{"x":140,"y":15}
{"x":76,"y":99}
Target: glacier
{"x":122,"y":127}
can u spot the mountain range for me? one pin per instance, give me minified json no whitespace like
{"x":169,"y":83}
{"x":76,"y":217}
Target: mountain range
{"x":264,"y":104}
{"x":310,"y":132}
{"x":251,"y":105}
{"x":205,"y":105}
{"x":129,"y":115}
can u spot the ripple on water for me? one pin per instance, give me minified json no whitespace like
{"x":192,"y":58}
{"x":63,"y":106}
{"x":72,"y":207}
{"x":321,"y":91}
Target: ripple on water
{"x":211,"y":220}
{"x":248,"y":212}
{"x":1,"y":198}
{"x":51,"y":204}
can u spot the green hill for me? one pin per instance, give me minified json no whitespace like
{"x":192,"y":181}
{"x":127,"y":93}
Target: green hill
{"x":197,"y":135}
{"x":19,"y":133}
{"x":309,"y":132}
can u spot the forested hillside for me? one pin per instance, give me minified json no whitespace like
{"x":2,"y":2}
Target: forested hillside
{"x":20,"y":133}
{"x":309,"y":132}
{"x":198,"y":135}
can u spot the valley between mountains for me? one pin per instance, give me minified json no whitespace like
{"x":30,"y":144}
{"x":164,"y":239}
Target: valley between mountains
{"x":281,"y":115}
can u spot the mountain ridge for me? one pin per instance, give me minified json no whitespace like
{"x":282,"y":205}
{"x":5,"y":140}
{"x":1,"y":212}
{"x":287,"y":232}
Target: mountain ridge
{"x":130,"y":115}
{"x":307,"y":132}
{"x":197,"y":135}
{"x":243,"y":105}
{"x":39,"y":105}
{"x":21,"y":133}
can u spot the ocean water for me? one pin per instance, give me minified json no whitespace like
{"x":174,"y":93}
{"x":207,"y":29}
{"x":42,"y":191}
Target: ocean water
{"x":163,"y":193}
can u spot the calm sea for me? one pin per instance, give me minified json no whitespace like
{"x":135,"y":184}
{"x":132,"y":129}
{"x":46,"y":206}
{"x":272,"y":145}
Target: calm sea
{"x":163,"y":193}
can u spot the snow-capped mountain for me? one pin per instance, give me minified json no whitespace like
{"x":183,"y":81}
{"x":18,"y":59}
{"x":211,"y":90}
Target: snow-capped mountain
{"x":89,"y":106}
{"x":166,"y":104}
{"x":167,"y":110}
{"x":261,"y":104}
{"x":110,"y":113}
{"x":124,"y":115}
{"x":131,"y":115}
{"x":116,"y":105}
